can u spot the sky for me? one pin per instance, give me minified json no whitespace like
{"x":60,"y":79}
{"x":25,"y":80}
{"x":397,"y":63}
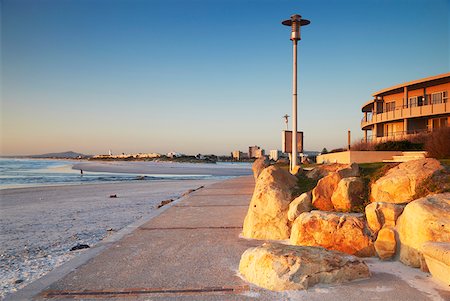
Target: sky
{"x":198,"y":76}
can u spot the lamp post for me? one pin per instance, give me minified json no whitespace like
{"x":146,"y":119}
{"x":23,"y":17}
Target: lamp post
{"x":295,"y":22}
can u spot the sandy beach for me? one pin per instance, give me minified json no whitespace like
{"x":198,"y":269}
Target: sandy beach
{"x":39,"y":225}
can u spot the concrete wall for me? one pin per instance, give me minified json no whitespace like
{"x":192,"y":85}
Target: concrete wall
{"x":357,"y":156}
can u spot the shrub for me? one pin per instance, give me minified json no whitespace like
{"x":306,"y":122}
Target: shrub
{"x":402,"y":145}
{"x":337,"y":150}
{"x":363,"y":146}
{"x":437,"y":144}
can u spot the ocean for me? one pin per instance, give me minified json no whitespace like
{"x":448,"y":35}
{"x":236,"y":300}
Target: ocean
{"x":16,"y":173}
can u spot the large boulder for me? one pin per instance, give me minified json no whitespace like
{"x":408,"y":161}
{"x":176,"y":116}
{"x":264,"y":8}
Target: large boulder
{"x":400,"y":183}
{"x":259,"y":165}
{"x":437,"y":258}
{"x":324,"y":190}
{"x":348,"y":195}
{"x":423,"y":220}
{"x":281,"y":267}
{"x":386,"y":244}
{"x":350,"y":170}
{"x":345,"y":232}
{"x":267,"y":216}
{"x":344,"y":170}
{"x":380,"y":214}
{"x":299,"y":205}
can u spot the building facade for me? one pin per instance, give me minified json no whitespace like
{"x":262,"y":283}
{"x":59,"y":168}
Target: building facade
{"x":255,"y":152}
{"x":401,"y":111}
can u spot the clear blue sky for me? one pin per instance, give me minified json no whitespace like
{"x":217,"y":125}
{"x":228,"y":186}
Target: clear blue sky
{"x":203,"y":76}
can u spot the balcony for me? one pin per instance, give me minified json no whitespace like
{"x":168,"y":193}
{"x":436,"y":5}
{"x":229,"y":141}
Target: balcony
{"x":397,"y":136}
{"x":405,"y":112}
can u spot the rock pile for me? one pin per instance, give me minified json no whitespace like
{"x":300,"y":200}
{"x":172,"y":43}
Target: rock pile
{"x":393,"y":221}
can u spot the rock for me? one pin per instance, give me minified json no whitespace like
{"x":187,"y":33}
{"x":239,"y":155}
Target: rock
{"x":283,"y":161}
{"x":424,"y":220}
{"x":379,"y":214}
{"x":259,"y":165}
{"x":297,"y":169}
{"x":267,"y":216}
{"x":324,"y":190}
{"x":79,"y":247}
{"x":345,"y":170}
{"x":280,"y":267}
{"x":349,"y":194}
{"x":299,"y":205}
{"x":163,"y":203}
{"x":437,"y":257}
{"x":400,"y":182}
{"x":386,"y":245}
{"x":113,"y":196}
{"x":345,"y":232}
{"x":351,"y":170}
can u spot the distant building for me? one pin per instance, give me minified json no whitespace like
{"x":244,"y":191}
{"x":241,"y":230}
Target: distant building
{"x":238,"y":155}
{"x":255,"y":152}
{"x":148,"y":155}
{"x":275,"y":154}
{"x":174,"y":155}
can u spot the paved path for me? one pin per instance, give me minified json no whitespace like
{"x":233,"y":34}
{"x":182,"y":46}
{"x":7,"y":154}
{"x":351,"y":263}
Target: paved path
{"x":191,"y":251}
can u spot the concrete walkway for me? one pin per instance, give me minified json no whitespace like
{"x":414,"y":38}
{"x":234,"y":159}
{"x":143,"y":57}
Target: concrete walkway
{"x":191,"y":251}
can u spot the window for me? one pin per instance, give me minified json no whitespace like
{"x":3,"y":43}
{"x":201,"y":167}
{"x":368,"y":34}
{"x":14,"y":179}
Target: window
{"x":413,"y":101}
{"x":389,"y":129}
{"x":439,"y":122}
{"x":390,"y":106}
{"x":439,"y":97}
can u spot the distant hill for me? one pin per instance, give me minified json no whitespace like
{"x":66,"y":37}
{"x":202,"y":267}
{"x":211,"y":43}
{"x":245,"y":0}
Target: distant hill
{"x":62,"y":155}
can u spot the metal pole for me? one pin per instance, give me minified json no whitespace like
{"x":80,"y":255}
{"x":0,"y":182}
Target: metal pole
{"x":294,"y":107}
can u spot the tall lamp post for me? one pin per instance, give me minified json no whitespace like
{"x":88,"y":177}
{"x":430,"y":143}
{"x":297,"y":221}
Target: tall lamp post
{"x":295,"y":22}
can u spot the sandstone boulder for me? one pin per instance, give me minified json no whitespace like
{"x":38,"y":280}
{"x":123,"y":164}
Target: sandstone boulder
{"x":351,"y":170}
{"x":386,"y":245}
{"x":400,"y":183}
{"x":280,"y":267}
{"x":437,"y":257}
{"x":345,"y":232}
{"x":299,"y":205}
{"x":423,"y":220}
{"x":348,"y":195}
{"x":380,"y":214}
{"x":344,"y":170}
{"x":259,"y":165}
{"x":324,"y":190}
{"x":267,"y":216}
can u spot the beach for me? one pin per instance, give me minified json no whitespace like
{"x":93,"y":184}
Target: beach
{"x":39,"y":225}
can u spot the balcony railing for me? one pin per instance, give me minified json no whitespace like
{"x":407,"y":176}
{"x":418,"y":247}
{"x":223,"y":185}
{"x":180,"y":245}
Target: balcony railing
{"x":396,"y":136}
{"x":406,"y":112}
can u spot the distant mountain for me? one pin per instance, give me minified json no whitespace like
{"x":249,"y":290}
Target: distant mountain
{"x":63,"y":155}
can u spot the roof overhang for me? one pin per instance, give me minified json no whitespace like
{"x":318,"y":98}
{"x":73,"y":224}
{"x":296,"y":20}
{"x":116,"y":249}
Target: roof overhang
{"x":368,"y":106}
{"x":416,"y":84}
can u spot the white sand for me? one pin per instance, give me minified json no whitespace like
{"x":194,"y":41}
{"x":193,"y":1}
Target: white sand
{"x":39,"y":225}
{"x":166,"y":168}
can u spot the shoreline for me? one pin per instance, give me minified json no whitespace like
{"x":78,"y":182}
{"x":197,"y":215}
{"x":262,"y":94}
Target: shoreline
{"x":40,"y":225}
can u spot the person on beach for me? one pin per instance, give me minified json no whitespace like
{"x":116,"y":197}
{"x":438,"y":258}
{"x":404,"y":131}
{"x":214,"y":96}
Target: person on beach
{"x":81,"y":172}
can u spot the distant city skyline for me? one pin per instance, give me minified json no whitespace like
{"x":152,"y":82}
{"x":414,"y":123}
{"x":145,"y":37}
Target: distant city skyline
{"x":203,"y":76}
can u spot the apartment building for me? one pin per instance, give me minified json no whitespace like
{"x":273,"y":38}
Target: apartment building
{"x":400,"y":111}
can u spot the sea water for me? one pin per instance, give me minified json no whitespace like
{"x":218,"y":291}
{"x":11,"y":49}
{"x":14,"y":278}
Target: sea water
{"x":16,"y":173}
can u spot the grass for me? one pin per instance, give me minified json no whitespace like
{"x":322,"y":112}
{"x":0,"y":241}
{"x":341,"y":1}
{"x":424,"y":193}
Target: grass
{"x":370,"y":172}
{"x":304,"y":184}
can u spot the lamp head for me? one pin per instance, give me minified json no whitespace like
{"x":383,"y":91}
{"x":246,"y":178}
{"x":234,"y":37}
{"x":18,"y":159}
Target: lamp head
{"x":295,"y":22}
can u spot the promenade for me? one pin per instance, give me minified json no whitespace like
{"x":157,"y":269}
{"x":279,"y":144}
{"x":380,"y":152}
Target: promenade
{"x":190,"y":250}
